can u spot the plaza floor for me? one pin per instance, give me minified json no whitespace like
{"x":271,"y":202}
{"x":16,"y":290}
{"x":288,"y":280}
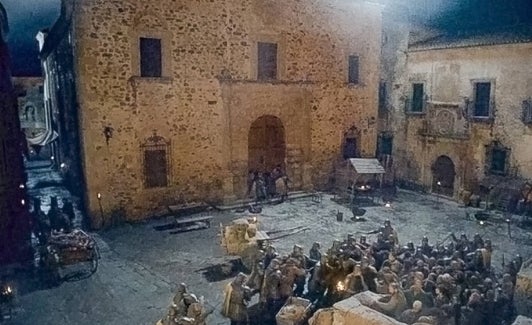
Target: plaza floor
{"x":140,"y":266}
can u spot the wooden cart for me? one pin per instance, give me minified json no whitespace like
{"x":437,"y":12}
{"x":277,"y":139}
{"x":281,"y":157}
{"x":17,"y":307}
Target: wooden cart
{"x":73,"y":249}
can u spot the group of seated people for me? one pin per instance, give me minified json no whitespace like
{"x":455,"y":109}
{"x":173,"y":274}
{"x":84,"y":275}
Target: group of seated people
{"x":428,"y":284}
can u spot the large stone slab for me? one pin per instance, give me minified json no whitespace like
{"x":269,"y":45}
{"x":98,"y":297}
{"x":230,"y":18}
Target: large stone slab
{"x":352,"y":312}
{"x":523,"y":290}
{"x":522,"y":320}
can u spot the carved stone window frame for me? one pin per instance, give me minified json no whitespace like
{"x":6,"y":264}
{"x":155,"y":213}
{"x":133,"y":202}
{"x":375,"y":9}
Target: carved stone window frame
{"x":155,"y":143}
{"x":471,"y":103}
{"x":139,"y":32}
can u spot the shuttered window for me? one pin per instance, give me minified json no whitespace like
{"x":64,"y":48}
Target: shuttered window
{"x":150,"y":57}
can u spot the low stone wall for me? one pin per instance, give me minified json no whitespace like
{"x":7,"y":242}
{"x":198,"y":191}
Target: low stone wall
{"x":352,"y":311}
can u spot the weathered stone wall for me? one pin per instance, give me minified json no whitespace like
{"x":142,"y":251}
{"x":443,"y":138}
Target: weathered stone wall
{"x":448,"y":76}
{"x":208,"y":96}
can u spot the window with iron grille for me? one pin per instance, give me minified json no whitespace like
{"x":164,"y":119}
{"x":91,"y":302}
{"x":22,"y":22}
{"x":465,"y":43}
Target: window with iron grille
{"x":527,"y":111}
{"x":482,"y":99}
{"x":156,"y":157}
{"x":150,"y":57}
{"x":267,"y":61}
{"x":354,"y":76}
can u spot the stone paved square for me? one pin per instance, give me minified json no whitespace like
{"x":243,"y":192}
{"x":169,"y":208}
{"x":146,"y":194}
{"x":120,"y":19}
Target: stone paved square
{"x":140,"y":267}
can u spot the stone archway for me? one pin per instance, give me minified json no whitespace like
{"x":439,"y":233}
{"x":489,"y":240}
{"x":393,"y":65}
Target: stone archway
{"x":266,"y":144}
{"x":443,"y":174}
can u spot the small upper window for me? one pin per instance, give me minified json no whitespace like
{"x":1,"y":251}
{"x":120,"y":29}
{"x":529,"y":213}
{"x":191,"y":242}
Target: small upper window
{"x":418,"y":98}
{"x":354,"y":69}
{"x":482,"y":99}
{"x":150,"y":57}
{"x":267,"y":61}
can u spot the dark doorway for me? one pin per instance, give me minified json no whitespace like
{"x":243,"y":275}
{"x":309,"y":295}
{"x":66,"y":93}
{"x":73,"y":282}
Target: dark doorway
{"x":443,"y":174}
{"x":266,"y":144}
{"x":350,"y":145}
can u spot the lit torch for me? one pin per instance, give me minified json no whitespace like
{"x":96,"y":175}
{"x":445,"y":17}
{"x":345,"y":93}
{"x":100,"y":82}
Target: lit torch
{"x":340,"y":286}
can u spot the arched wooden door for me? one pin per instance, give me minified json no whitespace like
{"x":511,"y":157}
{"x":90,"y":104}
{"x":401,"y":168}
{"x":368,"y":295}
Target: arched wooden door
{"x":266,"y":144}
{"x":443,"y":174}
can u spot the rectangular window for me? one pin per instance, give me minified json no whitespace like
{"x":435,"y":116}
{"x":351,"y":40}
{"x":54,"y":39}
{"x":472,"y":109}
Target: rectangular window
{"x":150,"y":57}
{"x":498,"y":161}
{"x":155,"y":168}
{"x":385,"y":144}
{"x":418,"y":98}
{"x":267,"y":61}
{"x":482,"y":99}
{"x":527,"y":111}
{"x":353,"y":69}
{"x":382,"y":99}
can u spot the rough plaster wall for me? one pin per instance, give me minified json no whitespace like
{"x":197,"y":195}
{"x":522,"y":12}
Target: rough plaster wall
{"x":447,"y":75}
{"x":203,"y":115}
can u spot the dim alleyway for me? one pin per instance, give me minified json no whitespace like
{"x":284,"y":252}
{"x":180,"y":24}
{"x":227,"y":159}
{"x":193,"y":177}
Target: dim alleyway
{"x":140,"y":267}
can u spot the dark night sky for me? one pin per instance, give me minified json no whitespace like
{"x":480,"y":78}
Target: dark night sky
{"x":26,"y":18}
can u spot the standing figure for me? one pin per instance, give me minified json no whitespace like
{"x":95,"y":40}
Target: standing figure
{"x":354,"y":282}
{"x":270,"y":296}
{"x":260,"y":187}
{"x":182,"y":300}
{"x":236,"y":298}
{"x":315,"y":254}
{"x":54,"y":214}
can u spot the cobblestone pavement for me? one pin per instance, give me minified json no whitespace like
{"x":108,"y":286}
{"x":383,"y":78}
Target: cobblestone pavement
{"x":140,"y":267}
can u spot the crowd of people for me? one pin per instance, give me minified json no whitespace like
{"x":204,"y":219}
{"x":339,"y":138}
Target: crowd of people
{"x":442,"y":284}
{"x":267,"y":185}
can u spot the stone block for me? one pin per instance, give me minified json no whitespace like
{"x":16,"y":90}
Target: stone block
{"x":352,"y":311}
{"x":522,"y":320}
{"x":523,"y":290}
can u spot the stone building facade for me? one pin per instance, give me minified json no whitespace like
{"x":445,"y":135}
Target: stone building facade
{"x":14,"y":216}
{"x":62,"y":136}
{"x":179,"y":100}
{"x":35,"y":118}
{"x":463,"y":115}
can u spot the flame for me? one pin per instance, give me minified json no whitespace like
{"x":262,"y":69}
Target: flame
{"x":99,"y":195}
{"x":8,"y":289}
{"x":340,"y":286}
{"x":481,"y":222}
{"x":388,"y":205}
{"x":254,"y":219}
